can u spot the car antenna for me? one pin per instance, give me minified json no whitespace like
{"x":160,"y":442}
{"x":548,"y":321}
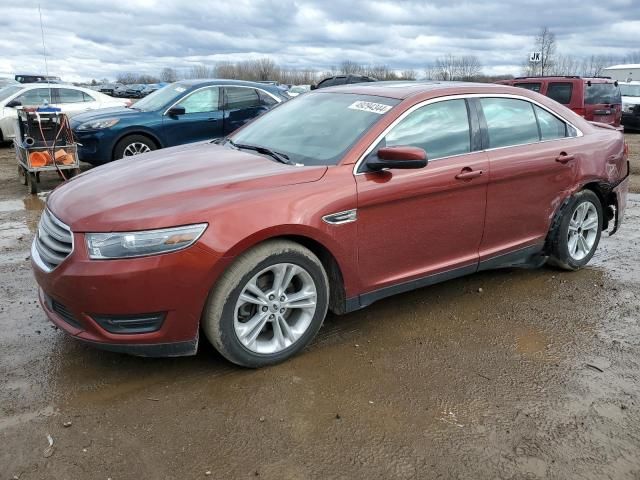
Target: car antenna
{"x":44,"y":54}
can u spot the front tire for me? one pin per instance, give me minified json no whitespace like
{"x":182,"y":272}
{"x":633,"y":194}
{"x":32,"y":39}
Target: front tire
{"x":132,"y":145}
{"x":576,"y":232}
{"x":268,"y":305}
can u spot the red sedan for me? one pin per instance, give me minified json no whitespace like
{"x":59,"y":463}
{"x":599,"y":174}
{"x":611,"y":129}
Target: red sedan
{"x":331,"y":201}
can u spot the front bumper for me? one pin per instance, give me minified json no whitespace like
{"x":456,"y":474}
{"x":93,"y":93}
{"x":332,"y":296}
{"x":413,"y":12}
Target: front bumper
{"x":95,"y":146}
{"x":79,"y":290}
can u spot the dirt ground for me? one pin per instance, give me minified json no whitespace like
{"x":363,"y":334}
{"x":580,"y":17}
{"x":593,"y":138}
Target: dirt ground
{"x":511,"y":374}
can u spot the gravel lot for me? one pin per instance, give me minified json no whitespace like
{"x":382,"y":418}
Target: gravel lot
{"x":514,"y":374}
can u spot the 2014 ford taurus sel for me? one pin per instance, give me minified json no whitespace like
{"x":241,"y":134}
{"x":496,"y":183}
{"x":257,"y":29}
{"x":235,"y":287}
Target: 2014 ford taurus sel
{"x":331,"y":201}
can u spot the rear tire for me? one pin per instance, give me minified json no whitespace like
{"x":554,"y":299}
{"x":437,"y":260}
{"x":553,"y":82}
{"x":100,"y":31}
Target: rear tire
{"x":284,"y":324}
{"x":132,"y":145}
{"x":576,"y":231}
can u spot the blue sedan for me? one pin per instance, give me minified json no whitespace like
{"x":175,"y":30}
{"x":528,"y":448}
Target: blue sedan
{"x":182,"y":112}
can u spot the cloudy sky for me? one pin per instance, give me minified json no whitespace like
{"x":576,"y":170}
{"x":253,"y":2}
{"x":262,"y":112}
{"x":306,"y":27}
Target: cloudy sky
{"x":95,"y":39}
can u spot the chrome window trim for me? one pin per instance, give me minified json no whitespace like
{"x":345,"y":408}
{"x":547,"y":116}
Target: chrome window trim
{"x":34,"y":251}
{"x":279,"y":100}
{"x":462,"y":97}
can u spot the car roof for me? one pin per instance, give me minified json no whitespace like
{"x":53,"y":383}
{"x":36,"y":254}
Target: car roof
{"x":406,"y":89}
{"x":54,"y":85}
{"x":218,"y":81}
{"x":567,"y":78}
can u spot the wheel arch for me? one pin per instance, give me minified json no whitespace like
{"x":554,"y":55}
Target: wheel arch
{"x":326,"y":255}
{"x":607,"y":197}
{"x":142,"y":132}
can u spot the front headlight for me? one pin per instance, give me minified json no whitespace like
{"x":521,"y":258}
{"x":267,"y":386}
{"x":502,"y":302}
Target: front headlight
{"x":104,"y":246}
{"x":98,"y":124}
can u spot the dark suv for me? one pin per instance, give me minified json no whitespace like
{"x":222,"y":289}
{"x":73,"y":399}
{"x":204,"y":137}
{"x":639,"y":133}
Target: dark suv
{"x":596,"y":99}
{"x":342,"y":80}
{"x":182,"y":112}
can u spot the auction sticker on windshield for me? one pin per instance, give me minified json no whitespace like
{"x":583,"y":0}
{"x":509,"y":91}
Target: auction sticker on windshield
{"x":379,"y":108}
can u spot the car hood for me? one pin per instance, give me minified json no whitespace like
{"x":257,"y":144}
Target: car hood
{"x":173,"y":186}
{"x":103,"y":113}
{"x":631,"y":100}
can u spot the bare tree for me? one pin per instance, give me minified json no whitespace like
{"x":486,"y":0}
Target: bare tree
{"x":594,"y":65}
{"x":380,"y":72}
{"x":199,"y":71}
{"x":127,"y":78}
{"x":545,"y":43}
{"x":408,"y":75}
{"x":566,"y":65}
{"x":451,"y":67}
{"x":349,"y":67}
{"x":632,"y":57}
{"x":168,"y":75}
{"x":431,"y":72}
{"x":266,"y":68}
{"x":469,"y":67}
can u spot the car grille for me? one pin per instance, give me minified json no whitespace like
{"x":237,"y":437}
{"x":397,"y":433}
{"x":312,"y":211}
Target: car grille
{"x":53,"y":242}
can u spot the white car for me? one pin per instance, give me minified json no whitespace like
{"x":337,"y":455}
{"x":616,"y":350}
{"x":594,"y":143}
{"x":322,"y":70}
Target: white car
{"x":630,"y":105}
{"x":68,"y":98}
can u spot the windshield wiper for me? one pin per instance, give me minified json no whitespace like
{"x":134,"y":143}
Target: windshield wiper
{"x":280,"y":157}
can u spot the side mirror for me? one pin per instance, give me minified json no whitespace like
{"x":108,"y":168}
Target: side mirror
{"x":403,"y":157}
{"x":314,"y":87}
{"x":176,"y":111}
{"x":14,"y":104}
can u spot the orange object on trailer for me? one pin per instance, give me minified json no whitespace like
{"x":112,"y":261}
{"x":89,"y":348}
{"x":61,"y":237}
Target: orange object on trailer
{"x":39,"y":159}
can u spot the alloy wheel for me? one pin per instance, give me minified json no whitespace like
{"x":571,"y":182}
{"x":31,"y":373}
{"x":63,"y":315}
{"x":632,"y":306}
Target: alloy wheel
{"x":275,"y":308}
{"x":583,"y":230}
{"x":136,"y":148}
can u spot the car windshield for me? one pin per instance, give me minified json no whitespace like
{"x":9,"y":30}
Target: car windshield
{"x":630,"y":90}
{"x":315,"y":129}
{"x":160,"y":98}
{"x":6,"y":92}
{"x":600,"y":93}
{"x":298,"y":89}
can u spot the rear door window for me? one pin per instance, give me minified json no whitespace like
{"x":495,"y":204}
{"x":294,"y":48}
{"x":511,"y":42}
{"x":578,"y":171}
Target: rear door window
{"x":535,"y":87}
{"x":551,"y":127}
{"x":67,"y":95}
{"x":601,"y":93}
{"x":560,"y":92}
{"x":239,"y":98}
{"x":440,"y":129}
{"x":509,"y":122}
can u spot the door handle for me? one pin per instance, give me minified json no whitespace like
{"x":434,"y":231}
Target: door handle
{"x":211,"y":119}
{"x":468,"y":174}
{"x":564,"y":157}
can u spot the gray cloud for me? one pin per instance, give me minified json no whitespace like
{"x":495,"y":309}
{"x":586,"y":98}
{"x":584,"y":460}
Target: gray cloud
{"x":97,"y":39}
